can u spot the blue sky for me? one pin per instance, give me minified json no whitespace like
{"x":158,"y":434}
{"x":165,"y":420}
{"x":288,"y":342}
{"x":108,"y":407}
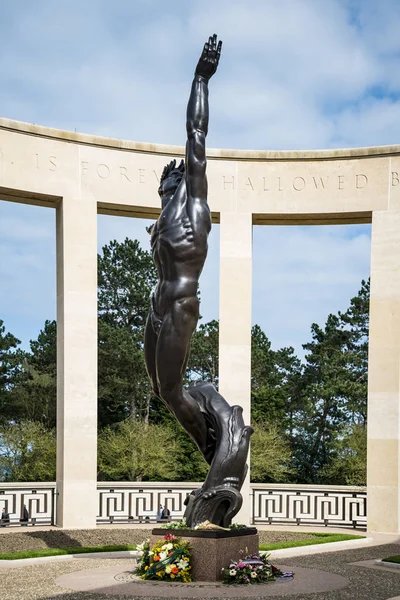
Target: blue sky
{"x":294,"y":74}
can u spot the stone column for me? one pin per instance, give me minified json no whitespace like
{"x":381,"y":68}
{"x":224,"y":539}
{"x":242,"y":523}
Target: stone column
{"x":76,"y":363}
{"x":383,"y":509}
{"x":235,"y":322}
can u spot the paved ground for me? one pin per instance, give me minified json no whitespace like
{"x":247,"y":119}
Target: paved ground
{"x":38,"y":582}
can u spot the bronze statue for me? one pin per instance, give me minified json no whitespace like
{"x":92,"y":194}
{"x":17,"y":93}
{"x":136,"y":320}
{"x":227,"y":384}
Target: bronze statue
{"x":179,"y":247}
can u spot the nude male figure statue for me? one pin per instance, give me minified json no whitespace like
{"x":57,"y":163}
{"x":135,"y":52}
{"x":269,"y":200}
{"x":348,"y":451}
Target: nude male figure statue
{"x":179,"y":248}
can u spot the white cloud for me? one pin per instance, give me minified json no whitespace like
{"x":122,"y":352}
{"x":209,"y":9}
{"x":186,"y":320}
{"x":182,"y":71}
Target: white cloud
{"x":371,"y":122}
{"x":283,"y":63}
{"x":293,"y":74}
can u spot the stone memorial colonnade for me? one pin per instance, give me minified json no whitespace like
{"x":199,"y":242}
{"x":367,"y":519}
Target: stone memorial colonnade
{"x":81,"y":175}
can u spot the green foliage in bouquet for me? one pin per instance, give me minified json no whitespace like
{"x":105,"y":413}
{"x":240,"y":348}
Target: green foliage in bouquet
{"x":168,"y":560}
{"x":176,"y":525}
{"x":252,"y":568}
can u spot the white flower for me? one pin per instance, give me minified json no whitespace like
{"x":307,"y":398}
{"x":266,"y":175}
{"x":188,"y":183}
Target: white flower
{"x":182,"y":564}
{"x":168,"y":568}
{"x":163,"y":555}
{"x":151,"y":552}
{"x":253,"y":574}
{"x":168,"y":546}
{"x":232,"y":572}
{"x":141,"y":546}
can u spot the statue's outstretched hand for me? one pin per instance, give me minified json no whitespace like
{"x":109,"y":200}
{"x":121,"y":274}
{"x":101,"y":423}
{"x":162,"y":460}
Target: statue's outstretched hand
{"x":209,"y":59}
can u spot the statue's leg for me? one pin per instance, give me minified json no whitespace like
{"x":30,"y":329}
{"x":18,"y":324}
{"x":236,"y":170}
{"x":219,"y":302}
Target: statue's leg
{"x":172,"y":354}
{"x":150,"y":346}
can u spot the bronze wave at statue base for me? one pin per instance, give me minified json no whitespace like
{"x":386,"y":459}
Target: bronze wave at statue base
{"x":219,"y":499}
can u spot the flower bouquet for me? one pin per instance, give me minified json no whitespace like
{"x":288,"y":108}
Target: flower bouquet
{"x":252,"y":568}
{"x":168,"y":560}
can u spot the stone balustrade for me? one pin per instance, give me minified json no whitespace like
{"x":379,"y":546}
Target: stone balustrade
{"x":138,"y":502}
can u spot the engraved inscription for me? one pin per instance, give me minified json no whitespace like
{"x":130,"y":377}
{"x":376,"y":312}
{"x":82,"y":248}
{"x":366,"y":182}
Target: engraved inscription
{"x":361,"y":181}
{"x":395,"y":178}
{"x":104,"y":171}
{"x":301,"y":183}
{"x":267,"y":182}
{"x":228,"y":183}
{"x":84,"y":167}
{"x":321,"y":182}
{"x":124,"y":173}
{"x":49,"y":163}
{"x":249,"y":184}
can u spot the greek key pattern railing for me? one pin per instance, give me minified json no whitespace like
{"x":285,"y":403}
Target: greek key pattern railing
{"x":133,"y":502}
{"x":38,"y":498}
{"x":141,"y":501}
{"x":329,"y":505}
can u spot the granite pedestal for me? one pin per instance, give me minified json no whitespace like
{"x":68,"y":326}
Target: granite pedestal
{"x":213,"y":549}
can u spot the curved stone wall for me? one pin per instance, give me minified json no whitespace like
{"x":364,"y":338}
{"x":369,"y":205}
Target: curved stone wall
{"x":337,"y":186}
{"x":81,"y":175}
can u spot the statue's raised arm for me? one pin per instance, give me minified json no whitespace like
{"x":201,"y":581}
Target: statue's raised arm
{"x":197,"y":121}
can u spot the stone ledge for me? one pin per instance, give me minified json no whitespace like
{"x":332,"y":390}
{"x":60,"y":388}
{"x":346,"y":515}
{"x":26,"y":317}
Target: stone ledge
{"x":213,"y":153}
{"x":214,"y":534}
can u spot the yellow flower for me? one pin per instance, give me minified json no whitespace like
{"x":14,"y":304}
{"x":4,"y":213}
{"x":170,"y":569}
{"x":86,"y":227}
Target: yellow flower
{"x":172,"y":576}
{"x":159,"y":573}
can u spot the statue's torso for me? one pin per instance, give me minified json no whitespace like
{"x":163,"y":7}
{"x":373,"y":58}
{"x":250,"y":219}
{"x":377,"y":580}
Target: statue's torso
{"x":179,"y":247}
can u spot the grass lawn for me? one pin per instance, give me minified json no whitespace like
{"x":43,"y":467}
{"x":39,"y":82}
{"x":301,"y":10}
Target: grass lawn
{"x":59,"y":551}
{"x":392,"y":559}
{"x":318,"y":538}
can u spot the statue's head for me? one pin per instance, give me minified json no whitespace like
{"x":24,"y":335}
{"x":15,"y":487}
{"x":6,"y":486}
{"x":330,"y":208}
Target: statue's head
{"x":170,"y":180}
